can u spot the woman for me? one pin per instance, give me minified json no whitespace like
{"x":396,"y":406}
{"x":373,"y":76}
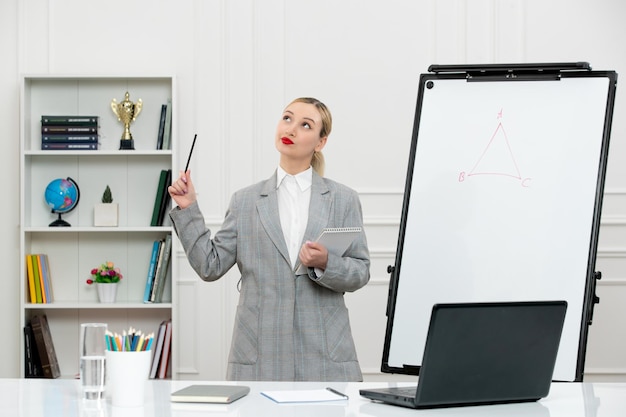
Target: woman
{"x":288,"y":327}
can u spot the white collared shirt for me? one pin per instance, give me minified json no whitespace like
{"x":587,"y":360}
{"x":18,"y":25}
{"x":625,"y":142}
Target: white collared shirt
{"x":294,"y":196}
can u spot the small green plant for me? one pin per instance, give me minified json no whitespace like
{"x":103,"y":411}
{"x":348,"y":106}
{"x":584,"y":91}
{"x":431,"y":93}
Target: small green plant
{"x":107,"y":197}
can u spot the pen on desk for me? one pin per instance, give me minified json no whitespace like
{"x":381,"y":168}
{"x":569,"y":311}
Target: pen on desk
{"x":191,"y":151}
{"x":334,"y":391}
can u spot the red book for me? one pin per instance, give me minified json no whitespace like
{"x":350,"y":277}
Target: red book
{"x":167,"y":347}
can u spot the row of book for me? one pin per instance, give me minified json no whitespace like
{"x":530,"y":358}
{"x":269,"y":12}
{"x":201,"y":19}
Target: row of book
{"x":77,"y":132}
{"x":40,"y":282}
{"x":39,"y":279}
{"x":160,"y":367}
{"x":165,"y":127}
{"x":41,"y":359}
{"x":157,"y":270}
{"x":162,"y":199}
{"x":40,"y":356}
{"x":71,"y":132}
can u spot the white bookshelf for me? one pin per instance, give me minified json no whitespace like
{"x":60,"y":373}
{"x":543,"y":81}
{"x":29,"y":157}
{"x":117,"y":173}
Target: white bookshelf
{"x":133,"y":177}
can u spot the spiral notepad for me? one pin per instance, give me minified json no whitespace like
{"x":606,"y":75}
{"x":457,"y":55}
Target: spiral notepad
{"x":336,"y":240}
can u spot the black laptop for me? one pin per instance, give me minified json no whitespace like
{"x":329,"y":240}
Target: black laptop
{"x":484,"y":353}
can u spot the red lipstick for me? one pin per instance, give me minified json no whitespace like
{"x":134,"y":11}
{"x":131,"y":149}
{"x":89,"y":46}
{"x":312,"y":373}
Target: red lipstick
{"x":286,"y":141}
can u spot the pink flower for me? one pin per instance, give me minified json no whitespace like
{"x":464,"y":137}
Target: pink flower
{"x":105,"y":273}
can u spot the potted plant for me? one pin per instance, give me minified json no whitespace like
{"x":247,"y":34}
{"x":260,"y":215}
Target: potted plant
{"x":107,"y":212}
{"x":106,"y":277}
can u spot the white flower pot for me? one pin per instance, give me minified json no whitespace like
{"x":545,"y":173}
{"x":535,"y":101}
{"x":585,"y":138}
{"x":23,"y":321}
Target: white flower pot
{"x":107,"y":292}
{"x":106,"y":214}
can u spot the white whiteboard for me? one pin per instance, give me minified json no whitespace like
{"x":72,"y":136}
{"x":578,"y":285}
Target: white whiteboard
{"x":500,"y":204}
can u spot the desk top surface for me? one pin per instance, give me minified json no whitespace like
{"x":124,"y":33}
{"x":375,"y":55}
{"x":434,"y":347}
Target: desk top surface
{"x":61,"y":397}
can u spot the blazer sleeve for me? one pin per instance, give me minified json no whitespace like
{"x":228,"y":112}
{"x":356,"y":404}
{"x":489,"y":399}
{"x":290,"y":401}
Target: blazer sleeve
{"x":351,"y":271}
{"x":210,"y":258}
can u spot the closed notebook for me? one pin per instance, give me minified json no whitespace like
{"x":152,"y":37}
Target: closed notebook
{"x":337,"y":240}
{"x":219,"y":394}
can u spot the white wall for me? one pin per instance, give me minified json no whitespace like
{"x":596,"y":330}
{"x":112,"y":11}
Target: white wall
{"x":238,"y":62}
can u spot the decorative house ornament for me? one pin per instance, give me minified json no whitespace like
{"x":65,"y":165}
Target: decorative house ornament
{"x":107,"y":278}
{"x":62,"y":196}
{"x":126,"y":112}
{"x":107,"y":212}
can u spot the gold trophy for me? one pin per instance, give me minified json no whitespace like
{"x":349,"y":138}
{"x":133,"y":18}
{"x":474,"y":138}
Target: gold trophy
{"x":126,"y":112}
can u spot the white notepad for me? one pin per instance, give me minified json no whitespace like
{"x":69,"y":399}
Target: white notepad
{"x":336,"y":240}
{"x":304,"y":396}
{"x":220,"y":394}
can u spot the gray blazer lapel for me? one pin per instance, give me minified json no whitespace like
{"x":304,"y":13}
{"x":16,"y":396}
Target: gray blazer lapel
{"x":319,"y":208}
{"x":267,"y":208}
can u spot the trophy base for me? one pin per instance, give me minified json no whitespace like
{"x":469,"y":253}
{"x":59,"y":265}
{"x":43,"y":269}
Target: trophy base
{"x":127,"y":144}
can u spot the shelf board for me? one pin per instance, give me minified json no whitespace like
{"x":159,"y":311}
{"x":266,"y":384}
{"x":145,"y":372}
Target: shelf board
{"x":96,"y":77}
{"x":94,"y":229}
{"x":72,"y":305}
{"x":164,"y":152}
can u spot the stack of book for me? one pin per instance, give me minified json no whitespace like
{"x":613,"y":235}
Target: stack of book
{"x":157,"y":270}
{"x":40,"y":356}
{"x":160,"y":367}
{"x":39,"y":280}
{"x":69,"y":132}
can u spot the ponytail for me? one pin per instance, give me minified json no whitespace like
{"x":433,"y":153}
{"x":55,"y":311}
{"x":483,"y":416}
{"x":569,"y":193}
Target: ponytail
{"x":318,"y":163}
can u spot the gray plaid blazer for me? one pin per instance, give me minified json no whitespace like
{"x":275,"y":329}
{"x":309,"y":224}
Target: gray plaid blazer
{"x":287,"y":327}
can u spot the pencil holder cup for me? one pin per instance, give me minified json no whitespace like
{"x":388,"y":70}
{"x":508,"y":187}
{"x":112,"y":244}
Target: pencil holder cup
{"x":127,"y":375}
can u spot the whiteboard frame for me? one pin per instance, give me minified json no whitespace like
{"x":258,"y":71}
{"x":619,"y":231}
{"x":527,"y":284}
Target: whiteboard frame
{"x":506,"y":73}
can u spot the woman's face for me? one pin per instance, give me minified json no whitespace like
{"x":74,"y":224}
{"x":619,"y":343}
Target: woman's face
{"x":298,"y":132}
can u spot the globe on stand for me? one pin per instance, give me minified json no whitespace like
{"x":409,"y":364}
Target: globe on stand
{"x":62,"y":196}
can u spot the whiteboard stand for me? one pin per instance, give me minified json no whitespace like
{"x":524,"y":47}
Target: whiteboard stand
{"x":503,"y":198}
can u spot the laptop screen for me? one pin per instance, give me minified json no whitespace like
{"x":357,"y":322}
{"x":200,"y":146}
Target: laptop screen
{"x":490,"y":352}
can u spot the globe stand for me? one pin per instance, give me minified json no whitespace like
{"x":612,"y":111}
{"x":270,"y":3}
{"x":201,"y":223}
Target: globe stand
{"x":59,"y":222}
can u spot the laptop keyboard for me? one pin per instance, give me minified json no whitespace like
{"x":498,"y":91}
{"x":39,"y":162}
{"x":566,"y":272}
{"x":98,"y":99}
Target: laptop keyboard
{"x":403,"y":391}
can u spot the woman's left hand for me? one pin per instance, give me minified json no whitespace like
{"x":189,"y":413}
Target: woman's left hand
{"x":314,"y":255}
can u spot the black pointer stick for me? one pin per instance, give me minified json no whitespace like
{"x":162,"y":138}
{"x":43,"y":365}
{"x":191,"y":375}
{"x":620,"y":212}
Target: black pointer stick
{"x":191,"y":151}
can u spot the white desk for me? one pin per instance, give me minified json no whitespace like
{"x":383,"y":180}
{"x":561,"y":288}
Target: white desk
{"x":60,"y":397}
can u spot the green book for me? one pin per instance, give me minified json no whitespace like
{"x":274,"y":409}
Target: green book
{"x":38,"y":289}
{"x":161,"y":189}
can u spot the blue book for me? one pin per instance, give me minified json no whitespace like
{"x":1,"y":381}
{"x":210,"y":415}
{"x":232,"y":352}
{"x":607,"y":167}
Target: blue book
{"x":161,"y":270}
{"x":45,"y":270}
{"x":151,"y":270}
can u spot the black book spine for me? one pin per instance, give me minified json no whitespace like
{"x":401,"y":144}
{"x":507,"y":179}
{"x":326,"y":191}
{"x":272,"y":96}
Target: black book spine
{"x":69,"y":146}
{"x":69,"y":138}
{"x":69,"y":130}
{"x":69,"y":121}
{"x":165,"y":201}
{"x":159,"y":144}
{"x":30,"y":368}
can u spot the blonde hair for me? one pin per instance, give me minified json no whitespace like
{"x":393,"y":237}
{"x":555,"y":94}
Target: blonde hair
{"x":317,"y":162}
